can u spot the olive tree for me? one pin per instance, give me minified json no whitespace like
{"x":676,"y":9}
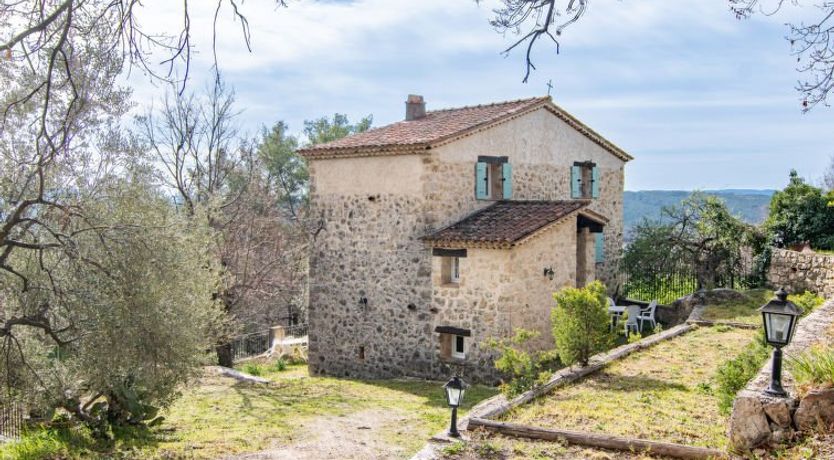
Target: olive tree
{"x":130,"y":305}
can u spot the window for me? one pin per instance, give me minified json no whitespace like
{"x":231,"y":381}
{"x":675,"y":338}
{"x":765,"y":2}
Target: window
{"x":452,"y":342}
{"x":459,"y":347}
{"x":454,"y":269}
{"x":449,"y":265}
{"x":493,"y":178}
{"x":584,"y":180}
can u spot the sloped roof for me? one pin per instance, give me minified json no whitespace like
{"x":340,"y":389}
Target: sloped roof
{"x":506,"y":223}
{"x":441,"y":126}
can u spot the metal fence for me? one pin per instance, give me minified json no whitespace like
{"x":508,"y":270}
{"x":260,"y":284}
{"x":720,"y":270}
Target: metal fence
{"x":669,"y":283}
{"x":250,"y":345}
{"x":297,"y":330}
{"x":11,"y":420}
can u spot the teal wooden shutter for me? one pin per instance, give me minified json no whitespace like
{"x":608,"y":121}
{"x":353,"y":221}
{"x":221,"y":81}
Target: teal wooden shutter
{"x":481,"y":191}
{"x":576,"y":182}
{"x":599,"y":247}
{"x":507,"y":175}
{"x":595,"y":182}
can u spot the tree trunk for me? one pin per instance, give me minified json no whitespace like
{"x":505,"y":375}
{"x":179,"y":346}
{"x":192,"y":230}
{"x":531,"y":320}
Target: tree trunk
{"x":224,"y":355}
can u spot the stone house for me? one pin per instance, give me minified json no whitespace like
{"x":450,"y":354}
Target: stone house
{"x":452,"y":227}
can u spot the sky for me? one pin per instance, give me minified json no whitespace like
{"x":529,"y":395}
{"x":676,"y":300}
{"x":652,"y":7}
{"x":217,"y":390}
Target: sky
{"x":699,"y":98}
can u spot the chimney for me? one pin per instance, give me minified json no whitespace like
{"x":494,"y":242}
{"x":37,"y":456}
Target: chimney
{"x":415,"y":107}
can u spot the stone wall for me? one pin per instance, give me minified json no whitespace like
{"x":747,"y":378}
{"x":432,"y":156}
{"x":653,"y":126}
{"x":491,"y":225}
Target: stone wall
{"x":802,"y":271}
{"x":757,"y":419}
{"x":376,"y":209}
{"x":541,"y":149}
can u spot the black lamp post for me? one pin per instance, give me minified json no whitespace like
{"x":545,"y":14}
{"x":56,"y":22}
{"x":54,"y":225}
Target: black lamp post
{"x":779,"y":317}
{"x":455,"y":389}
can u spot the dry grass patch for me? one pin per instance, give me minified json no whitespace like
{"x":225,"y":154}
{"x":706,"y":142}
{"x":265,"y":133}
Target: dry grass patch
{"x":664,"y":393}
{"x":488,"y":446}
{"x":219,"y":417}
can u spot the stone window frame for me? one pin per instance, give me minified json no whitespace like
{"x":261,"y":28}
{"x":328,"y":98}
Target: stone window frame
{"x":449,"y":338}
{"x":449,"y":256}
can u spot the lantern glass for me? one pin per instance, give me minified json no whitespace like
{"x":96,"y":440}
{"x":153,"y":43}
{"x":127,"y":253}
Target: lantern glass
{"x":454,"y":396}
{"x":455,"y":388}
{"x":778,"y":327}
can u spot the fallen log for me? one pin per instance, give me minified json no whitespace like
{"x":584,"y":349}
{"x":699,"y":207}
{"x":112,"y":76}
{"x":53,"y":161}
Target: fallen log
{"x":599,"y":440}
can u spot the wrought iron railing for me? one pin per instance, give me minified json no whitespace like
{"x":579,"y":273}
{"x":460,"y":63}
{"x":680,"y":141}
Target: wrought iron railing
{"x":249,"y":345}
{"x":11,"y":420}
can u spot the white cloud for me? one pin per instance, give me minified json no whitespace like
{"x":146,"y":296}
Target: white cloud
{"x":675,"y":82}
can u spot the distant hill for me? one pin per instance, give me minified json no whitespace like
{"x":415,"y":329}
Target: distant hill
{"x":750,"y":205}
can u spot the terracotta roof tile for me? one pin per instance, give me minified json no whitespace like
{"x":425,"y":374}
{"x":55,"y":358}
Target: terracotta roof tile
{"x":435,"y":126}
{"x":506,"y":222}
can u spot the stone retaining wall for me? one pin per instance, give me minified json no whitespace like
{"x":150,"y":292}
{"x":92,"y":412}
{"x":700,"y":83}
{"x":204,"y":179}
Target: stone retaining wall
{"x":758,"y":419}
{"x":802,"y":271}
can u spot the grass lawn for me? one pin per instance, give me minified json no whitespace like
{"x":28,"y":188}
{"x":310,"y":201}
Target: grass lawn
{"x":220,"y":416}
{"x":747,"y":310}
{"x":663,"y":393}
{"x":744,"y":311}
{"x":295,"y":416}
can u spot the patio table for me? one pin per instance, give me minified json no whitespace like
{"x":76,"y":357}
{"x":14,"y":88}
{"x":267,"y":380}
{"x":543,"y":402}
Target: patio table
{"x":616,"y":311}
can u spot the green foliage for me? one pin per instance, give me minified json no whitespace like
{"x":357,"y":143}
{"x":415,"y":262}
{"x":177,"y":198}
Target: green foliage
{"x":324,"y":129}
{"x":285,"y":170}
{"x":488,"y":450}
{"x":807,"y":301}
{"x":525,"y":369}
{"x":700,"y":239}
{"x":750,"y":205}
{"x":139,"y":295}
{"x":252,"y":369}
{"x":455,"y":448}
{"x":634,"y":337}
{"x":580,"y":323}
{"x":799,"y":213}
{"x":734,"y":374}
{"x":813,"y":368}
{"x":279,"y":365}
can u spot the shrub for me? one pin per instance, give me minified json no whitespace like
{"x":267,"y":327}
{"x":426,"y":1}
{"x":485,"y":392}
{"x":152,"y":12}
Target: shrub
{"x":808,"y":301}
{"x":279,"y":365}
{"x":525,"y":369}
{"x":454,"y":448}
{"x":252,"y":369}
{"x":580,"y":323}
{"x":813,"y":368}
{"x":734,"y":373}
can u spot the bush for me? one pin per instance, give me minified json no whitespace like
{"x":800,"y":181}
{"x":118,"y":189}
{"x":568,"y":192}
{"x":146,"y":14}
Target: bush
{"x":580,"y":323}
{"x":252,"y":369}
{"x":807,"y":301}
{"x":525,"y":369}
{"x":813,"y":368}
{"x":279,"y":365}
{"x":734,"y":374}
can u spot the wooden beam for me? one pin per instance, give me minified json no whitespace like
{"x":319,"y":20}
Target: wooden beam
{"x":599,"y":440}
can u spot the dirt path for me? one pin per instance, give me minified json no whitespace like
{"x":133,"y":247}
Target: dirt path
{"x":360,"y":435}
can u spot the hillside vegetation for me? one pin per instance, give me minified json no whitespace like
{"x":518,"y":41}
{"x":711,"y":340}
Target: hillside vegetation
{"x":750,"y":205}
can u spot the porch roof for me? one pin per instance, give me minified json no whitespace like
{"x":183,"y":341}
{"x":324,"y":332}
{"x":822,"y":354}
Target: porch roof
{"x":507,"y":223}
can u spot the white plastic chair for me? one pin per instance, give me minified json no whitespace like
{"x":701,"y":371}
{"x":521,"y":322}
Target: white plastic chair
{"x":632,"y":320}
{"x":648,"y":314}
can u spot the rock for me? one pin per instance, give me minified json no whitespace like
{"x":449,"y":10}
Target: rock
{"x":779,"y":411}
{"x":816,"y":410}
{"x":748,"y":425}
